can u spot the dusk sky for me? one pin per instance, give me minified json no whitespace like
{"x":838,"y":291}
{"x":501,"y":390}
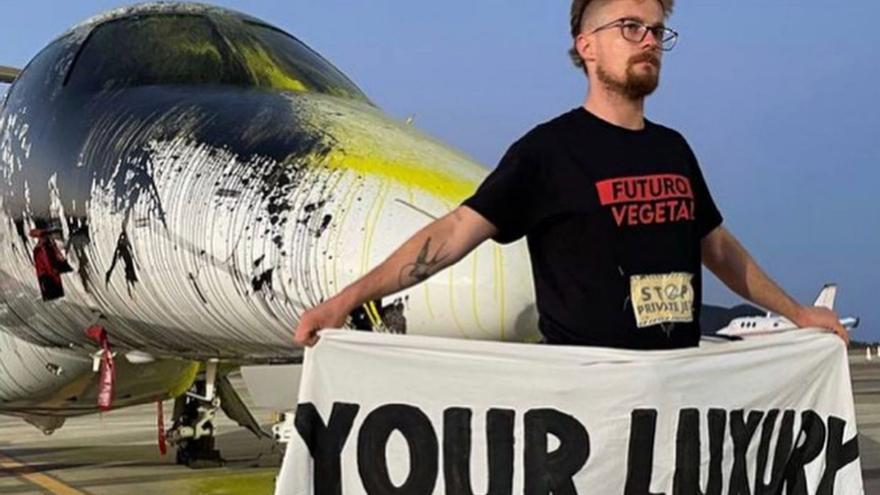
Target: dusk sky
{"x":778,"y":99}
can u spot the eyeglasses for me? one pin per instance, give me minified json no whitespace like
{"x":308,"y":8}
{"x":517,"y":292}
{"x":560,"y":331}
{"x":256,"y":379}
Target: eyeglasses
{"x":636,"y":31}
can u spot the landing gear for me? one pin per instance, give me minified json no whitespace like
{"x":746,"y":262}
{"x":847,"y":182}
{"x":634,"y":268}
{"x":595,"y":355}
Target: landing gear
{"x":193,"y":429}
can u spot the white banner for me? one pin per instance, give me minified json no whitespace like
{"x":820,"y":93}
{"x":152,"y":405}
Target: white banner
{"x":389,"y":414}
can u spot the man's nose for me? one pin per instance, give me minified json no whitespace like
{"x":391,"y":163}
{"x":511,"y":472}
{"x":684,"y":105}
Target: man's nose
{"x":651,"y":41}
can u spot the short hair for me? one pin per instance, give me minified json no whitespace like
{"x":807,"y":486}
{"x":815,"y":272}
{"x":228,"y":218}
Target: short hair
{"x":577,"y":14}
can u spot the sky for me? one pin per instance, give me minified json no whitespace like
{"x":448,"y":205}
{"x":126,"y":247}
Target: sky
{"x":777,"y":98}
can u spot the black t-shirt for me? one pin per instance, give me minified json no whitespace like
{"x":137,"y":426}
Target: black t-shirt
{"x":613,"y":219}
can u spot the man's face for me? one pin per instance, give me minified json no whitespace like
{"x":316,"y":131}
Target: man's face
{"x":626,"y":67}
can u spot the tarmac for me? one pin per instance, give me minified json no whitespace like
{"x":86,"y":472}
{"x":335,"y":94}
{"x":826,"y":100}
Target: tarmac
{"x":116,"y":453}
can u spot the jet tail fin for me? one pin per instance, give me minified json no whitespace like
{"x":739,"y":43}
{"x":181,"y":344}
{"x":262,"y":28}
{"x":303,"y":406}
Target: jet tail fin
{"x":8,"y":74}
{"x":850,"y":323}
{"x":827,"y":296}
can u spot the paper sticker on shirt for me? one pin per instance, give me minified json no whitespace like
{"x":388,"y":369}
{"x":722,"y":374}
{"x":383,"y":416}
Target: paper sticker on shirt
{"x":662,"y":298}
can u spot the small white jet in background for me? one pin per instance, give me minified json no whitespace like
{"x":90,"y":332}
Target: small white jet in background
{"x":750,"y":326}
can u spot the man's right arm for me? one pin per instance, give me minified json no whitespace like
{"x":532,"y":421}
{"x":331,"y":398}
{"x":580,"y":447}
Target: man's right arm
{"x":438,"y":245}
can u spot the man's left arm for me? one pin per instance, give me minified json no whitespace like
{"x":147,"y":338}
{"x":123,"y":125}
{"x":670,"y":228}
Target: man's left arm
{"x":730,"y":262}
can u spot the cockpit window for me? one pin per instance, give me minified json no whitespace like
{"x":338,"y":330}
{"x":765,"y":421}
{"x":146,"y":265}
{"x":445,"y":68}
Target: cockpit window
{"x":179,"y":49}
{"x":155,"y":49}
{"x":42,"y":76}
{"x":279,"y":61}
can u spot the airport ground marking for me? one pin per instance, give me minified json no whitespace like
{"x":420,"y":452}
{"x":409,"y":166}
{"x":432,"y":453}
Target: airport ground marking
{"x":31,"y":475}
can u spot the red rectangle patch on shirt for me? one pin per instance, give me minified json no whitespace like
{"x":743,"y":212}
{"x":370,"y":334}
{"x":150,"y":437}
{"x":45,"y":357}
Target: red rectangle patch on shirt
{"x":643,"y":188}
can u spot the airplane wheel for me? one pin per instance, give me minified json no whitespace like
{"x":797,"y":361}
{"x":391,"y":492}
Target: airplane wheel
{"x":199,"y":454}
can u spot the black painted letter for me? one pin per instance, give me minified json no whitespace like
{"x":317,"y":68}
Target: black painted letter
{"x":416,"y":428}
{"x":837,"y":454}
{"x":552,"y":472}
{"x":325,"y":442}
{"x":457,"y":451}
{"x":813,"y":434}
{"x":687,"y":452}
{"x":742,"y":430}
{"x":640,"y":459}
{"x":780,"y":456}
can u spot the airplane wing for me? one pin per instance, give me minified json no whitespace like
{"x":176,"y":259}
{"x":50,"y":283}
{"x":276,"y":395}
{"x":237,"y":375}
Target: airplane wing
{"x":827,"y":296}
{"x":8,"y":74}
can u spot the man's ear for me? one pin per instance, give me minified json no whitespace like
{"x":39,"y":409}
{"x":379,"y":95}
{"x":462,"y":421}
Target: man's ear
{"x":584,"y":46}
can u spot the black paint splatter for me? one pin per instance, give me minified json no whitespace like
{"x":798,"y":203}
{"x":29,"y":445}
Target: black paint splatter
{"x":123,"y":251}
{"x":325,"y":222}
{"x":263,"y":281}
{"x":22,"y":236}
{"x":79,"y":241}
{"x":392,"y":318}
{"x":195,"y":284}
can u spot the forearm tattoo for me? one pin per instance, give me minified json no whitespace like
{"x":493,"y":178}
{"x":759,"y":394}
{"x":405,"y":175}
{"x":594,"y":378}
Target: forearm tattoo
{"x":424,"y":266}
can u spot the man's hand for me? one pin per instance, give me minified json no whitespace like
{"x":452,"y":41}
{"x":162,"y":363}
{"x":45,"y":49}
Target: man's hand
{"x":817,"y":316}
{"x":329,"y":314}
{"x":728,"y":260}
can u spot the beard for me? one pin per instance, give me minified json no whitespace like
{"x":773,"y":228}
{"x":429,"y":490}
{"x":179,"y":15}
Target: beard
{"x":635,"y":85}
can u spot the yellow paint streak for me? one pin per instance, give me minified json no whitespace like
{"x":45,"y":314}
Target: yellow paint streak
{"x":501,"y":301}
{"x":266,"y":71}
{"x":186,"y":379}
{"x":474,"y":293}
{"x":376,"y":317}
{"x":346,"y":209}
{"x":372,"y":314}
{"x":334,"y":289}
{"x":203,"y":49}
{"x":31,"y":475}
{"x":497,"y":284}
{"x":372,"y":221}
{"x":432,"y":181}
{"x":452,"y":301}
{"x":366,"y":307}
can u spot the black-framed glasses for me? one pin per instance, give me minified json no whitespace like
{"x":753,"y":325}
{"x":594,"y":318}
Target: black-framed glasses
{"x":637,"y":31}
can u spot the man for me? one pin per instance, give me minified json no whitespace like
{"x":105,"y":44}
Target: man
{"x":615,"y":210}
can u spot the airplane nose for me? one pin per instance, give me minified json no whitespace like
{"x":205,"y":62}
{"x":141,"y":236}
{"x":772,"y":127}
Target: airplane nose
{"x":264,"y":236}
{"x":213,"y":220}
{"x":389,"y":181}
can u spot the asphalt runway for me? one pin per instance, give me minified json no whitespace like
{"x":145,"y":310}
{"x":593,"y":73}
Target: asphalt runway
{"x":117,"y":453}
{"x":866,"y":391}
